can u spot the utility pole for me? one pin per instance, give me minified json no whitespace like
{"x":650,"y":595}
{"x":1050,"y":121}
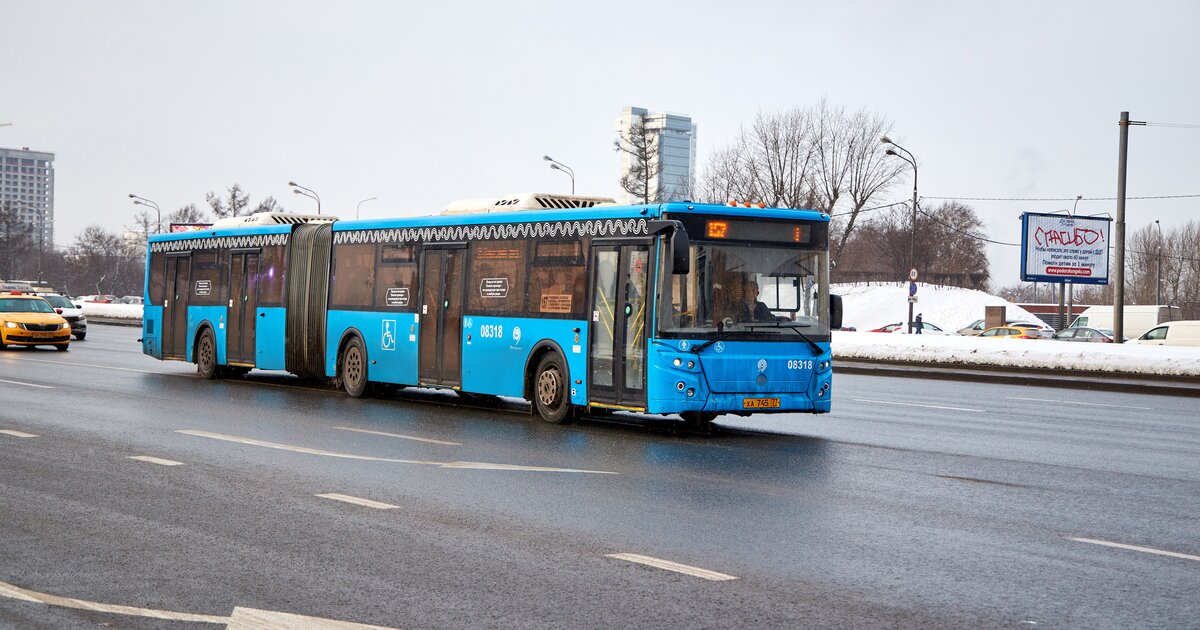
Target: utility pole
{"x":1119,"y":257}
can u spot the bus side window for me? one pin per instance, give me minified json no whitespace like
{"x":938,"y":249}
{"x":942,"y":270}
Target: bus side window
{"x":497,"y":277}
{"x":158,"y":280}
{"x":353,"y":275}
{"x":208,"y":281}
{"x":396,"y":283}
{"x":270,"y":276}
{"x":557,"y":278}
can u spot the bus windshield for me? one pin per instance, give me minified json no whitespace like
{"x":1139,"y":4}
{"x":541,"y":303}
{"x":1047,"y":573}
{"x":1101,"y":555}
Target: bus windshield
{"x":760,"y":292}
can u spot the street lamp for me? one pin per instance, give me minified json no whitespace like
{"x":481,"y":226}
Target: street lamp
{"x":559,"y":166}
{"x":307,"y":192}
{"x":142,"y":201}
{"x":912,"y":242}
{"x":359,"y":206}
{"x":1158,"y":279}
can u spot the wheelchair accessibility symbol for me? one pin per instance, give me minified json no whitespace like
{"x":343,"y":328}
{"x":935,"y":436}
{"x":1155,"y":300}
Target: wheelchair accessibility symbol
{"x":388,"y":339}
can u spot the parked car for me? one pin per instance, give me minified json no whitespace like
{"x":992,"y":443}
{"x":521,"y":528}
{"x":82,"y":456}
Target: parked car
{"x":28,"y":320}
{"x":101,"y":299}
{"x":130,"y":299}
{"x":1176,"y":333}
{"x":1009,"y":332}
{"x":71,"y":311}
{"x":976,"y":327}
{"x":1085,"y":334}
{"x":901,"y":327}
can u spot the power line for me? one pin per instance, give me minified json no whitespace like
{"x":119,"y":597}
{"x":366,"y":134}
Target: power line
{"x":1057,"y":198}
{"x":1175,"y":125}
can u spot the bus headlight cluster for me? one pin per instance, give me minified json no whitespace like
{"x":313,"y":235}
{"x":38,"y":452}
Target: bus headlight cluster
{"x":824,"y":388}
{"x":678,"y":362}
{"x":691,"y":392}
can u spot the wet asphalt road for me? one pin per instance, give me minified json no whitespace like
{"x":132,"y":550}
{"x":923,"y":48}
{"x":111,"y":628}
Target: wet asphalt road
{"x":915,"y":504}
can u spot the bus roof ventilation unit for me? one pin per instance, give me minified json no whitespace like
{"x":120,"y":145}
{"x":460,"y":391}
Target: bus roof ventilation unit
{"x":272,"y":218}
{"x":525,"y":201}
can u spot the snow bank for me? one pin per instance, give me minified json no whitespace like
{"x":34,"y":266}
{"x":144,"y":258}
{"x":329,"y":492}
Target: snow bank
{"x":112,"y":311}
{"x":870,"y":306}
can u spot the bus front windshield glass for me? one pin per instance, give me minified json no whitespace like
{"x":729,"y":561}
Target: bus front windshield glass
{"x":762,"y":292}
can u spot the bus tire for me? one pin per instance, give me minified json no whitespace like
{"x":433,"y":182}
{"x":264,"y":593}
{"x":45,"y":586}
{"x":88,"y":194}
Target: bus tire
{"x":352,"y":368}
{"x":206,"y":355}
{"x":550,"y":390}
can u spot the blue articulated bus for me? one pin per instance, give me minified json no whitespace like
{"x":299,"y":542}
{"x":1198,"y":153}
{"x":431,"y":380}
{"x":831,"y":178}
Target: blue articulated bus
{"x":573,"y":303}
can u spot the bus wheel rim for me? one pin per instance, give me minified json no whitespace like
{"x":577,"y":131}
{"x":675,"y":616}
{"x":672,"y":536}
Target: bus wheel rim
{"x":549,"y":384}
{"x":353,"y":366}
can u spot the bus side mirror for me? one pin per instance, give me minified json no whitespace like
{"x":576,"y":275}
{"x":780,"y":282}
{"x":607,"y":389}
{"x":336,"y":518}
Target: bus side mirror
{"x":835,"y":311}
{"x":677,"y":242}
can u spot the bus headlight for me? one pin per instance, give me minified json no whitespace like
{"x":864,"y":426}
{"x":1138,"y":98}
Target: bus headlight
{"x":691,"y":392}
{"x":678,"y":362}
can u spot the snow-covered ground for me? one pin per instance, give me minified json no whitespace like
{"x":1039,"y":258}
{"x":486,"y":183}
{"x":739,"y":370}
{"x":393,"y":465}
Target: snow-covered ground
{"x":871,"y":306}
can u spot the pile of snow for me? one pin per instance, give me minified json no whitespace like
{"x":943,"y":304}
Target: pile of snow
{"x":112,"y":311}
{"x":869,"y":306}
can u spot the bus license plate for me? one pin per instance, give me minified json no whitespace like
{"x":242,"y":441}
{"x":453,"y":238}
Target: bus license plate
{"x":760,"y":403}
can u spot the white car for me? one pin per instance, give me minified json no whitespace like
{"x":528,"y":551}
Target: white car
{"x":901,"y":328}
{"x":71,"y":311}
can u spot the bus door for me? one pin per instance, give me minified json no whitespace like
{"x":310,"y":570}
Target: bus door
{"x":243,"y":304}
{"x":442,"y":276}
{"x":175,"y":303}
{"x":620,"y":316}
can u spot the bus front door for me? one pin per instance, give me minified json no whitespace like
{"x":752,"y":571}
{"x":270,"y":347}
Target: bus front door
{"x":243,"y":304}
{"x":175,"y":305}
{"x":440,"y":360}
{"x":620,"y":313}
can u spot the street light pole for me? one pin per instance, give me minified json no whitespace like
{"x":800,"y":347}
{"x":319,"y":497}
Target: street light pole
{"x":912,"y":240}
{"x":142,"y":201}
{"x":1158,"y":279}
{"x":307,"y":192}
{"x":359,"y":206}
{"x":559,"y":166}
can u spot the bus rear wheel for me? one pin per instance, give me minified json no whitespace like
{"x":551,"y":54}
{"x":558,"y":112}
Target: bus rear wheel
{"x":206,"y":355}
{"x":700,"y":421}
{"x":550,"y":398}
{"x":354,"y":368}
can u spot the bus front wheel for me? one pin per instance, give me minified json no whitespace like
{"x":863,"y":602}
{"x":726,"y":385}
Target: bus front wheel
{"x":206,"y":355}
{"x":550,"y":384}
{"x":354,"y":368}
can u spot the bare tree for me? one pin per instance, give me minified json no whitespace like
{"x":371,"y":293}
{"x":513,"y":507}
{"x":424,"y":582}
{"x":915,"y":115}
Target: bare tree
{"x":642,"y":179}
{"x":100,"y":259}
{"x":869,"y":173}
{"x":188,"y":214}
{"x":234,"y":206}
{"x":16,"y":242}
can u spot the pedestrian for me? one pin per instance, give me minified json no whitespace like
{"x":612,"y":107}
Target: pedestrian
{"x":917,"y":322}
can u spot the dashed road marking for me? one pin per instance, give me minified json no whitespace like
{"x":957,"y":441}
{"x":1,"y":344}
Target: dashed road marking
{"x":315,"y":451}
{"x":667,"y":565}
{"x":1159,"y":552}
{"x":27,"y":384}
{"x":357,"y":501}
{"x":156,"y":460}
{"x":889,"y":402}
{"x":14,"y":433}
{"x":401,"y":436}
{"x":1076,"y":402}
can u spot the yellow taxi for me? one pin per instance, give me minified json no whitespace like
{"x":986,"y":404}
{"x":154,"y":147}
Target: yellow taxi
{"x":28,"y":320}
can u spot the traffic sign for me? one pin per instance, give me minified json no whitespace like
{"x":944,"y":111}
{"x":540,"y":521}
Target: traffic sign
{"x":912,"y":288}
{"x":912,"y":299}
{"x":912,"y":274}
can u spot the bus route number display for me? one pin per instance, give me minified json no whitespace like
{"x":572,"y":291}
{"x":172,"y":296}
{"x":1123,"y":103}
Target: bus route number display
{"x":493,"y":288}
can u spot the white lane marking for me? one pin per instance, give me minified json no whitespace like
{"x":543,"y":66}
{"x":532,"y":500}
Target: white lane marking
{"x":105,"y":367}
{"x":156,"y":460}
{"x":889,"y":402}
{"x":241,"y":619}
{"x":16,"y":592}
{"x":672,"y":566}
{"x":27,"y":384}
{"x":357,"y":501}
{"x":17,"y":433}
{"x":1075,"y":402}
{"x":297,"y":449}
{"x":1160,"y":552}
{"x":314,"y":451}
{"x":487,"y":466}
{"x":403,"y":437}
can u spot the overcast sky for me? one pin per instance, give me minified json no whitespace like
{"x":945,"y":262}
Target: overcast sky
{"x":422,"y":103}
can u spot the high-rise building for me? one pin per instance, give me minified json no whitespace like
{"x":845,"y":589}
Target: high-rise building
{"x":27,"y":183}
{"x":673,"y":137}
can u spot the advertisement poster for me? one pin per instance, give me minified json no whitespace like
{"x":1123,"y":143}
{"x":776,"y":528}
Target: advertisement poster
{"x":1062,"y":248}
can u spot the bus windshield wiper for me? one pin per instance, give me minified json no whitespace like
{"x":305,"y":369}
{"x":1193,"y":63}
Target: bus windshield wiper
{"x":793,"y":326}
{"x":696,"y":349}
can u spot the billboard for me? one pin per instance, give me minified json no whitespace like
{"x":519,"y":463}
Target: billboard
{"x":189,"y":227}
{"x":1062,"y":248}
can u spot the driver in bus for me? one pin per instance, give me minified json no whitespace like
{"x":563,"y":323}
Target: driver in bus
{"x":749,"y":309}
